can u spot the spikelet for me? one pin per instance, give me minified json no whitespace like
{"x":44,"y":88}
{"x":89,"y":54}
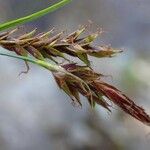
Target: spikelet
{"x":76,"y":79}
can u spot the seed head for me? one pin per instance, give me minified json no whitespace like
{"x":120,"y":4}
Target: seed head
{"x":72,"y":78}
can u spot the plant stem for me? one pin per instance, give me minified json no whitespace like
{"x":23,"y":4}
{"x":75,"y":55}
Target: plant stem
{"x":33,"y":16}
{"x":47,"y":65}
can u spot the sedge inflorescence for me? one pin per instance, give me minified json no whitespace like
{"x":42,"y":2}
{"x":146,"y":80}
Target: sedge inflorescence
{"x":74,"y":78}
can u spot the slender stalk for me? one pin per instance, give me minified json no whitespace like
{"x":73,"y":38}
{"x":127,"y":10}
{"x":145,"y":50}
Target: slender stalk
{"x":19,"y":57}
{"x":47,"y":65}
{"x":33,"y":16}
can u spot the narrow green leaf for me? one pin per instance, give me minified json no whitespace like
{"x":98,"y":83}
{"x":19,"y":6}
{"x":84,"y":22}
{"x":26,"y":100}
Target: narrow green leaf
{"x":33,"y":16}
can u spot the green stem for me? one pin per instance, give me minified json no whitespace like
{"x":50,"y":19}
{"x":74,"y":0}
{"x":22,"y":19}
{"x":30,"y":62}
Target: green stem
{"x":19,"y":57}
{"x":33,"y":16}
{"x":47,"y":65}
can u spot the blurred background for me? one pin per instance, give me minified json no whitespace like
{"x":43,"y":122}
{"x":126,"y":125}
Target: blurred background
{"x":36,"y":115}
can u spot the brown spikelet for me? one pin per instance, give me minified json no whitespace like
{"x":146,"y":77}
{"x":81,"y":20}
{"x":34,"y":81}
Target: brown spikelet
{"x":100,"y":89}
{"x":122,"y":101}
{"x":75,"y":80}
{"x":47,"y":45}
